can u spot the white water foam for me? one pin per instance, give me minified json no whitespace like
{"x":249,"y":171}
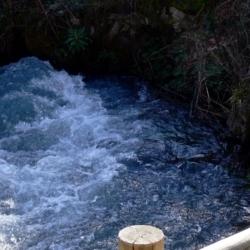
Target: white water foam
{"x":72,"y":159}
{"x":62,"y":143}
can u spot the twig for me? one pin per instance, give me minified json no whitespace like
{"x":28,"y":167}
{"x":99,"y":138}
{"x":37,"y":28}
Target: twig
{"x":47,"y":17}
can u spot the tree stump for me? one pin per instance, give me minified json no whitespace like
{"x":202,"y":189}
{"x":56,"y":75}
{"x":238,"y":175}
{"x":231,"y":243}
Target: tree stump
{"x":141,"y":237}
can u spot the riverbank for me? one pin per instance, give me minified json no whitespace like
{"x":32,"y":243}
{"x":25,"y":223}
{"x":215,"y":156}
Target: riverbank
{"x":196,"y":51}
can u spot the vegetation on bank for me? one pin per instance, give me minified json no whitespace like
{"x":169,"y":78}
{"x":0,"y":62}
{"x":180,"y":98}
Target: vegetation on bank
{"x":197,"y":50}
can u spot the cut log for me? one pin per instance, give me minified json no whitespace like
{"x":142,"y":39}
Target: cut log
{"x":141,"y":237}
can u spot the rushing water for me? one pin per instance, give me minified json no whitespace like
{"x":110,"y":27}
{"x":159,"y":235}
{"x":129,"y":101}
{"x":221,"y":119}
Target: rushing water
{"x":79,"y":161}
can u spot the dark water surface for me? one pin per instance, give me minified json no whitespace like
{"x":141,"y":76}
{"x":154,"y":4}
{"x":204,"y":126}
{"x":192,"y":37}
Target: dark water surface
{"x":79,"y":161}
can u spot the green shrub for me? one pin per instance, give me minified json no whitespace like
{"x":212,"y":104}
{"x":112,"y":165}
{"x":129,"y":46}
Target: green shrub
{"x":190,"y":6}
{"x":77,"y":40}
{"x":240,"y":94}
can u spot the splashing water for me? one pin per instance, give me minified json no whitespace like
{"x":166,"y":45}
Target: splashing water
{"x":79,"y":161}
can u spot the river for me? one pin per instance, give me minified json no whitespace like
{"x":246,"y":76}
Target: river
{"x":81,"y":159}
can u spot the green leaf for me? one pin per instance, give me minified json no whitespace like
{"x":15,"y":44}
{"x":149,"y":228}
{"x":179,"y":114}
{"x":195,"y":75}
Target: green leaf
{"x":77,"y":40}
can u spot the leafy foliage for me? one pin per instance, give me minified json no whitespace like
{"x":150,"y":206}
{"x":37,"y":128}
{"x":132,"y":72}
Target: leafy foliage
{"x":216,"y":77}
{"x":240,"y":94}
{"x":77,"y":40}
{"x":192,"y":6}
